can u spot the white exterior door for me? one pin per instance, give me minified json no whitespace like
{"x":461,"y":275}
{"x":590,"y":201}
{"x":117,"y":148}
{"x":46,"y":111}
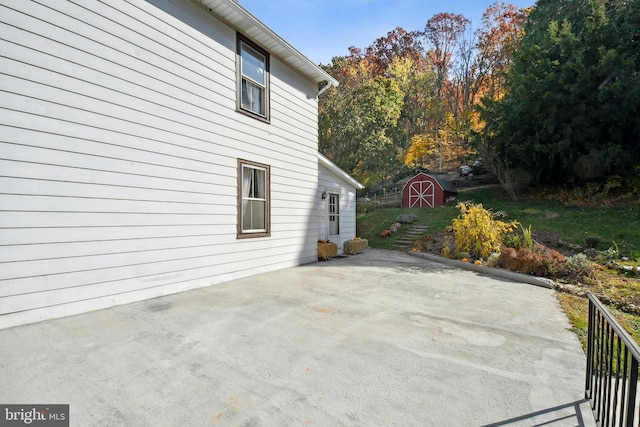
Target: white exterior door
{"x":333,"y":216}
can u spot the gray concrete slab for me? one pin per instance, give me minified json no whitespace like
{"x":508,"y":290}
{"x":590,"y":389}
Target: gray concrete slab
{"x":376,"y":339}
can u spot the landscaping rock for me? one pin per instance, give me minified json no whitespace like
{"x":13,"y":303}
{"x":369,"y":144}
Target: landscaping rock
{"x":406,"y":218}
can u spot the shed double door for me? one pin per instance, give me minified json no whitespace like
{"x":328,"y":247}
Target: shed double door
{"x":421,"y":194}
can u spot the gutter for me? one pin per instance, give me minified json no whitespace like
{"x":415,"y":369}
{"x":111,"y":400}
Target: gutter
{"x":238,"y":18}
{"x":329,"y":84}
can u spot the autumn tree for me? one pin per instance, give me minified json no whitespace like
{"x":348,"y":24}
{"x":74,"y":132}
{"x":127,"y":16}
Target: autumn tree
{"x":357,"y":118}
{"x":438,"y":150}
{"x":443,"y":40}
{"x":498,"y":38}
{"x":482,"y":58}
{"x":442,"y":34}
{"x":416,"y":81}
{"x":428,"y":81}
{"x":398,"y":44}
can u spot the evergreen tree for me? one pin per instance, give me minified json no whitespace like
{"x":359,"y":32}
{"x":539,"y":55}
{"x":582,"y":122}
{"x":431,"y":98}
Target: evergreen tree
{"x":571,"y":110}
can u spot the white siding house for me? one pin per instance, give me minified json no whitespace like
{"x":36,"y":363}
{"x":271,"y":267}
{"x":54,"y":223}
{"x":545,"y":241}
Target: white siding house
{"x":147,"y":148}
{"x":337,"y":212}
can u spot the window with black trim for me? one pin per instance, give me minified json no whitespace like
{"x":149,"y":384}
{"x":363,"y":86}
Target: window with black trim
{"x":253,"y":79}
{"x":253,"y":199}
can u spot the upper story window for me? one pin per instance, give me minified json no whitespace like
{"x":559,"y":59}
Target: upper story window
{"x":253,"y":79}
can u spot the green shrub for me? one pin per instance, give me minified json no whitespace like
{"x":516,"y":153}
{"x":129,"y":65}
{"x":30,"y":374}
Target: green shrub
{"x":580,"y":265}
{"x":527,"y":237}
{"x":512,"y":241}
{"x":611,"y":254}
{"x":578,"y":262}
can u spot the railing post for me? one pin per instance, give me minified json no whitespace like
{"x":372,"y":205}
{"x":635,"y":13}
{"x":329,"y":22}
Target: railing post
{"x":633,"y":385}
{"x":588,"y":380}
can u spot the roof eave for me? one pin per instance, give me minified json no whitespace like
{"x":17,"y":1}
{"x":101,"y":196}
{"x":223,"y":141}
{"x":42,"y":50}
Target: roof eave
{"x":333,"y":168}
{"x":233,"y":14}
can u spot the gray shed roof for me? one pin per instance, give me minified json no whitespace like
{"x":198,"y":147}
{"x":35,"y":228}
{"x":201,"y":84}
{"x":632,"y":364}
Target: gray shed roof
{"x":446,"y":185}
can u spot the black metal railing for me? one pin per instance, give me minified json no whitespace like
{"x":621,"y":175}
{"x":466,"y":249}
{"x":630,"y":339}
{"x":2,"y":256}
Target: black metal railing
{"x":612,"y":369}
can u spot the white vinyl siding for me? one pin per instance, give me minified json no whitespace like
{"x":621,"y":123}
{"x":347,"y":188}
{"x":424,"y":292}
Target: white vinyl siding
{"x":118,"y":151}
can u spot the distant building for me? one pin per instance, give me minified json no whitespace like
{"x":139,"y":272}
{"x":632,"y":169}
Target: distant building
{"x":427,"y":191}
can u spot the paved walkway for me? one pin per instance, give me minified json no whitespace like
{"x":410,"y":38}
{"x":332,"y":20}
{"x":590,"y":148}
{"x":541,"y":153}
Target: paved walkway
{"x":376,"y":339}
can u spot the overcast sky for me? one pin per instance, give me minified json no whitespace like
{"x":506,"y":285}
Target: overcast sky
{"x":322,"y":29}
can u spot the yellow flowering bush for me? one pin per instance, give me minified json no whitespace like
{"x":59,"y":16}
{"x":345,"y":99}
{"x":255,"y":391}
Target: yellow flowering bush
{"x":478,"y":231}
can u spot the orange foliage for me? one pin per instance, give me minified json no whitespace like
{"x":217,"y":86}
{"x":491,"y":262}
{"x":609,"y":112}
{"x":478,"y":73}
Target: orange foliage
{"x":540,"y":261}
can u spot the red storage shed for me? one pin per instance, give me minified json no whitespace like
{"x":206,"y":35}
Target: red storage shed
{"x":426,"y":191}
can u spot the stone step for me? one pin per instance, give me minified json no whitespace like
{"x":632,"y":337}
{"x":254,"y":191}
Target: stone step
{"x":404,"y":242}
{"x":409,"y":236}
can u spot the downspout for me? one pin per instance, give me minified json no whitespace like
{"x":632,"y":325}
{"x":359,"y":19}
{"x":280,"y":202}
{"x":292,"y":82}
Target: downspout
{"x":325,"y":87}
{"x":325,"y":204}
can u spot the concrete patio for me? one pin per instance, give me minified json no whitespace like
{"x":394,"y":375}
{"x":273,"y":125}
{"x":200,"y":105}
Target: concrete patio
{"x":376,"y":339}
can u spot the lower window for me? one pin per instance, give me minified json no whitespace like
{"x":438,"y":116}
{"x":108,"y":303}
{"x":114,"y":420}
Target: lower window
{"x":253,"y":199}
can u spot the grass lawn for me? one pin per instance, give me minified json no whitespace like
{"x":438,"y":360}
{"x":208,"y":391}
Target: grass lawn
{"x":597,"y":227}
{"x":369,"y":226}
{"x":600,"y":226}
